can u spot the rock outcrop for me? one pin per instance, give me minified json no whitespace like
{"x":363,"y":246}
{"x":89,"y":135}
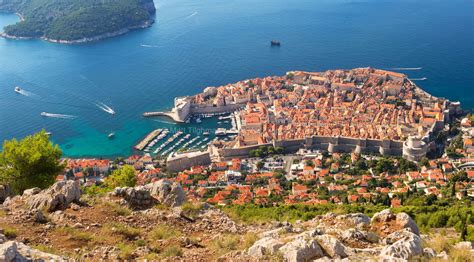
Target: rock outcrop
{"x":385,"y":237}
{"x":162,"y":191}
{"x":57,"y":197}
{"x":18,"y":252}
{"x":170,"y":194}
{"x":408,"y":247}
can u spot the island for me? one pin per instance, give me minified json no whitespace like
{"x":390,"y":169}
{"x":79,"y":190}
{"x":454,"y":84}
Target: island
{"x":76,"y":21}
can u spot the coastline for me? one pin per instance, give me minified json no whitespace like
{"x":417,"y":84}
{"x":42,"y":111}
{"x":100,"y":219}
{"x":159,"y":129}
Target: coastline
{"x":84,"y":40}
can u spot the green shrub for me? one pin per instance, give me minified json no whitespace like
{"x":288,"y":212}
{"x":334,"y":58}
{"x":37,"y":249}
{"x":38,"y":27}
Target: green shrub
{"x":122,"y":177}
{"x":10,"y":232}
{"x":31,"y":162}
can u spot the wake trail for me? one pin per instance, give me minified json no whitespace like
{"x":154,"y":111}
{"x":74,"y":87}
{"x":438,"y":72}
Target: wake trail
{"x":406,"y":68}
{"x":191,"y":15}
{"x":61,"y":116}
{"x":419,"y":79}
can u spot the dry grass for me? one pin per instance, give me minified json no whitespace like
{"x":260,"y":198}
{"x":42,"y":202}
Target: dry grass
{"x":118,"y":209}
{"x":191,"y":210}
{"x":171,"y":251}
{"x":249,"y":239}
{"x":225,"y":243}
{"x":162,"y":232}
{"x":439,"y":243}
{"x":75,"y":234}
{"x":125,"y":231}
{"x":460,"y":255}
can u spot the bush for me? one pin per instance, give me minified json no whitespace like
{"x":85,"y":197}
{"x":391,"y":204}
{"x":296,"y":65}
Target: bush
{"x":31,"y":162}
{"x":122,"y":177}
{"x":10,"y":232}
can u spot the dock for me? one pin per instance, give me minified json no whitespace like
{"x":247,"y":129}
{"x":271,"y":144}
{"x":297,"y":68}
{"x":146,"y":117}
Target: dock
{"x":140,"y":146}
{"x":170,"y":114}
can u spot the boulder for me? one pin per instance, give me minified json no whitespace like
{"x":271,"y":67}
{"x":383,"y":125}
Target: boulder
{"x":359,"y":235}
{"x":429,"y":253}
{"x":138,"y":197}
{"x":404,"y":220}
{"x":170,"y":194}
{"x":57,"y":197}
{"x":275,"y":233}
{"x":31,"y":191}
{"x":40,"y":217}
{"x":264,"y":246}
{"x":464,"y":245}
{"x":332,"y":246}
{"x":395,"y":236}
{"x":358,"y":220}
{"x":9,"y":252}
{"x":405,"y":248}
{"x":398,"y":221}
{"x":385,"y":215}
{"x":301,"y":249}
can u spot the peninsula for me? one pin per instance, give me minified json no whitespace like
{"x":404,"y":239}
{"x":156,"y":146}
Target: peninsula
{"x":363,"y":110}
{"x":76,"y":21}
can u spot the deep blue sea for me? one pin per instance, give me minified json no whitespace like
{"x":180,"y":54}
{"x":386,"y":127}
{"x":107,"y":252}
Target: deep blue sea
{"x":195,"y":44}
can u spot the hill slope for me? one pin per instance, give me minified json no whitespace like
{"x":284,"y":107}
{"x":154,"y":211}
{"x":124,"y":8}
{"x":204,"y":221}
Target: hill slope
{"x":77,"y":20}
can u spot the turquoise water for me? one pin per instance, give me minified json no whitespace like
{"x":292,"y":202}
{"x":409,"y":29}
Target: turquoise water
{"x":195,"y":44}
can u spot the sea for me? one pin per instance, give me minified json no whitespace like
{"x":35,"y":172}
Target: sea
{"x":195,"y":44}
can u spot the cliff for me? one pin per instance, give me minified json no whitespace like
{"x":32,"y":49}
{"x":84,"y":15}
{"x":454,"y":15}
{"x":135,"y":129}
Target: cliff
{"x":76,"y":21}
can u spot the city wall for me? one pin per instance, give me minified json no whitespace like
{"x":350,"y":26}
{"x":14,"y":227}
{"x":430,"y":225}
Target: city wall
{"x":324,"y":143}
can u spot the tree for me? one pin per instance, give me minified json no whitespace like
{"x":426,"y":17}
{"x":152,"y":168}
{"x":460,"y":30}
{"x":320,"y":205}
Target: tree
{"x":122,"y":177}
{"x":260,"y":165}
{"x":31,"y":162}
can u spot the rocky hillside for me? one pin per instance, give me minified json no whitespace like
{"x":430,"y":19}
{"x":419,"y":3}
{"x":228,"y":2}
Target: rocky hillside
{"x":155,"y":222}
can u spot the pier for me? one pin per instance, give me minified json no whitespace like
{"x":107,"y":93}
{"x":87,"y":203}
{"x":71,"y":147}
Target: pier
{"x":140,"y":146}
{"x":167,"y":114}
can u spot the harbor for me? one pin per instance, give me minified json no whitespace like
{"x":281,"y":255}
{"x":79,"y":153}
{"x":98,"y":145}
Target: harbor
{"x":196,"y":133}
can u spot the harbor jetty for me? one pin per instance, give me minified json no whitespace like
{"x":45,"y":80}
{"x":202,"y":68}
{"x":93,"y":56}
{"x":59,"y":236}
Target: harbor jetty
{"x":140,"y":146}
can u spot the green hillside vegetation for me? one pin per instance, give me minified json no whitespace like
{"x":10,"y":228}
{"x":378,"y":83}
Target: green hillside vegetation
{"x":76,"y":19}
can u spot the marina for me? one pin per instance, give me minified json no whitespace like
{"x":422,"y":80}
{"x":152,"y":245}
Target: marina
{"x":140,"y":146}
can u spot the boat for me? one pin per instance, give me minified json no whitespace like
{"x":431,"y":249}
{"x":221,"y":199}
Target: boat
{"x":205,"y":133}
{"x":275,"y":43}
{"x":198,"y":120}
{"x":18,"y":89}
{"x":48,"y":133}
{"x":44,"y":114}
{"x":111,"y":135}
{"x":220,"y":132}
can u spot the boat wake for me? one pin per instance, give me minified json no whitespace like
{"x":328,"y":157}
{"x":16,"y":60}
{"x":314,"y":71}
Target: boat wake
{"x":149,"y":46}
{"x":105,"y":108}
{"x":26,"y":93}
{"x":191,"y":15}
{"x":419,"y":79}
{"x":58,"y":115}
{"x":406,"y":68}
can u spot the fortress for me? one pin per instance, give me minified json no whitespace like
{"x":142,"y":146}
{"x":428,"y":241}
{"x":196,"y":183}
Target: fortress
{"x":363,"y":110}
